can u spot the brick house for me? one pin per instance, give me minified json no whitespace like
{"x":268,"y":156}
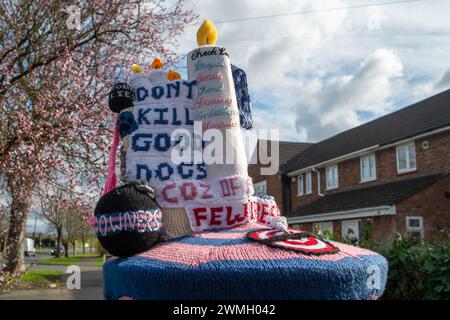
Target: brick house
{"x":272,"y":184}
{"x":386,"y":176}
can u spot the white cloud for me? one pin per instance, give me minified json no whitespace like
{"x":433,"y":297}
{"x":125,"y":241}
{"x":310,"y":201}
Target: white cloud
{"x":443,"y":82}
{"x":335,"y":65}
{"x":333,"y":106}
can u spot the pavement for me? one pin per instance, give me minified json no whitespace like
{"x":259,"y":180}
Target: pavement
{"x":91,"y":283}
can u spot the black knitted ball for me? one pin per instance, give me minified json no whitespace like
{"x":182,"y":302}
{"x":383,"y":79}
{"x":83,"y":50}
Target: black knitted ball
{"x":128,"y":220}
{"x":120,"y":97}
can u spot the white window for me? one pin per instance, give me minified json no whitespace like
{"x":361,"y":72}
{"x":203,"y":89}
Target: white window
{"x":260,"y":187}
{"x":368,"y":168}
{"x":406,"y":157}
{"x":300,"y":185}
{"x":321,"y":227}
{"x":350,"y":230}
{"x":414,"y":226}
{"x":332,"y":177}
{"x":308,"y":183}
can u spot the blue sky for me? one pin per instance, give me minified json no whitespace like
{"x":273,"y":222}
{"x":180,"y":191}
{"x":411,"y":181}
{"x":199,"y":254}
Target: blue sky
{"x":314,"y":75}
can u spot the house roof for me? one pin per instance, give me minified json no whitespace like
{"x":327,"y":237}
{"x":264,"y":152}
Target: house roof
{"x":424,"y":116}
{"x":286,"y":149}
{"x":385,"y":194}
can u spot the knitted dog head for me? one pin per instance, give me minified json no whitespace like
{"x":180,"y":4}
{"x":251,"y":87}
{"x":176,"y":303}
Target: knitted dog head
{"x":128,"y":220}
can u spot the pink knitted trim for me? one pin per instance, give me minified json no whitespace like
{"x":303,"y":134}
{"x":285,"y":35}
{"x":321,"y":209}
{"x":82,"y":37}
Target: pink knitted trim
{"x":194,"y":255}
{"x":217,"y":235}
{"x":111,"y":179}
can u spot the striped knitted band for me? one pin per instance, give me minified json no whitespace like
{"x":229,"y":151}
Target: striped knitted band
{"x":129,"y":221}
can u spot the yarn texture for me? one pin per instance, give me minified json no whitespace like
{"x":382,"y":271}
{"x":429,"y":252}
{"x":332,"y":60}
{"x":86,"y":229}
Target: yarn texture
{"x":128,"y":220}
{"x":226,"y":265}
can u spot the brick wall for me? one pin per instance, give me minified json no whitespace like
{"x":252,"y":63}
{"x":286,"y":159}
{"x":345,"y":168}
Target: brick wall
{"x":433,"y":204}
{"x":297,"y":201}
{"x":274,"y":187}
{"x":383,"y":228}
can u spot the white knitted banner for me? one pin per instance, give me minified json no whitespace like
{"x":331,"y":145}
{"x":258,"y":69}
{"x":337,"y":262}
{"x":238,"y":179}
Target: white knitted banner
{"x":182,"y":193}
{"x":214,"y":195}
{"x":266,"y":209}
{"x":220,"y":216}
{"x":160,"y":108}
{"x":228,"y":214}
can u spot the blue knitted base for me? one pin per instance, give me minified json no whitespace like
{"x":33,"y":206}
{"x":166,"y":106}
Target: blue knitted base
{"x":149,"y":279}
{"x":209,"y":267}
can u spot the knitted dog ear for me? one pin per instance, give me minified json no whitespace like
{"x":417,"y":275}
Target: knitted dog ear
{"x":128,"y":220}
{"x":120,"y":97}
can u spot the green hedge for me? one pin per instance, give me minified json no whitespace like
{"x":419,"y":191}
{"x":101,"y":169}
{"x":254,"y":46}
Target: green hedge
{"x":418,"y":269}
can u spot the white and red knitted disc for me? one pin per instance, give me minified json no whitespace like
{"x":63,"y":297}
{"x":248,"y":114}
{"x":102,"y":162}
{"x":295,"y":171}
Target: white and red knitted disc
{"x":295,"y":240}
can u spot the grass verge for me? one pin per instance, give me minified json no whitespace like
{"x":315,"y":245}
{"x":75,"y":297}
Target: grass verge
{"x":40,"y":278}
{"x":67,"y":261}
{"x":99,"y":261}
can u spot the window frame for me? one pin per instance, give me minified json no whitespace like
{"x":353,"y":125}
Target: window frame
{"x":361,"y":160}
{"x":300,"y":184}
{"x":357,"y":231}
{"x":414,"y":229}
{"x":408,"y":160}
{"x":321,"y":224}
{"x":308,"y":182}
{"x":261,"y":183}
{"x":328,"y":187}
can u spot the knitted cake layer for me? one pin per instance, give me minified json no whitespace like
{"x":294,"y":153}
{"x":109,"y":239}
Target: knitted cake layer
{"x":176,"y":223}
{"x":226,"y":265}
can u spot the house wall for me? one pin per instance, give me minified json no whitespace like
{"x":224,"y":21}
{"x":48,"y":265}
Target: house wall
{"x":432,"y":204}
{"x":434,"y":159}
{"x":274,"y":186}
{"x":383,"y":228}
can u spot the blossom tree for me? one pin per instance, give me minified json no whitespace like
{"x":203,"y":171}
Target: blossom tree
{"x":66,"y":210}
{"x":3,"y":229}
{"x":53,"y":204}
{"x":86,"y":233}
{"x":57,"y":62}
{"x":73,"y":225}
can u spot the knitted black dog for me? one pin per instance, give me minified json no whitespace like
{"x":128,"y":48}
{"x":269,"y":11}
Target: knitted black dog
{"x":128,"y":220}
{"x":120,"y":97}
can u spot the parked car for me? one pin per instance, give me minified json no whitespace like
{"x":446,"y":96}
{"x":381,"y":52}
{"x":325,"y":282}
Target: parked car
{"x":28,"y":245}
{"x":61,"y":250}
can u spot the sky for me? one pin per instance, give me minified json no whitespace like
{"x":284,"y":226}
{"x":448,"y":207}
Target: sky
{"x":315,"y":74}
{"x":36,"y":220}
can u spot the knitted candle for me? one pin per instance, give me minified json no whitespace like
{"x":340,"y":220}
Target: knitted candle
{"x":216,"y":104}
